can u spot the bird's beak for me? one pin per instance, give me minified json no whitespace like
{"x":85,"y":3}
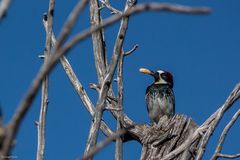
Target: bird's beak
{"x":146,"y":71}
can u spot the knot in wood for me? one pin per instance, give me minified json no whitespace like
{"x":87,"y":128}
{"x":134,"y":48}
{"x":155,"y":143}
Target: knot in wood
{"x":121,"y":36}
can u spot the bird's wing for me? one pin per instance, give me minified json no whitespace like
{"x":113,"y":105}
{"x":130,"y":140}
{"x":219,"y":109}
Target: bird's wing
{"x":168,"y":97}
{"x":148,"y":99}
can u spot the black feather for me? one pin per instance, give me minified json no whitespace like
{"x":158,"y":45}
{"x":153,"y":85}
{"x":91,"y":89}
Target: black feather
{"x":160,"y":101}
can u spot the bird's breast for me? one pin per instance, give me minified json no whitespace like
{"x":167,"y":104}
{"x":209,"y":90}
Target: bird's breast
{"x":160,"y":101}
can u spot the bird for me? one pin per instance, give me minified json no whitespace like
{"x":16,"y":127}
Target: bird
{"x":159,"y":95}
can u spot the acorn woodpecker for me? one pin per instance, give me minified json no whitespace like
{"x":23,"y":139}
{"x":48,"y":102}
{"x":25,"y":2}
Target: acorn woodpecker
{"x":159,"y":95}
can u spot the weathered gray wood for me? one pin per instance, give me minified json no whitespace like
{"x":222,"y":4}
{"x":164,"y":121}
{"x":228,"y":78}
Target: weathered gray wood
{"x":160,"y":139}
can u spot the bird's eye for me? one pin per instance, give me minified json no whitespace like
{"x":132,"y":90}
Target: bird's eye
{"x":164,"y":76}
{"x":167,"y":77}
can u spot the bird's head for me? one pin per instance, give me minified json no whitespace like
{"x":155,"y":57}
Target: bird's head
{"x":160,"y":76}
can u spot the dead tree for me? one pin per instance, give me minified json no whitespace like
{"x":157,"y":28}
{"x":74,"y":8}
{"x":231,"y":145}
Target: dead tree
{"x":175,"y":138}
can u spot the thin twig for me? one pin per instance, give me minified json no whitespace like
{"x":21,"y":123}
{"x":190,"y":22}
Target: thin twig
{"x":97,"y":88}
{"x":94,"y":129}
{"x":44,"y":101}
{"x":41,"y":56}
{"x":233,"y":97}
{"x":70,"y":22}
{"x":27,"y":100}
{"x":24,"y":106}
{"x":42,"y":121}
{"x":103,"y":143}
{"x":224,"y":134}
{"x":230,"y":156}
{"x":82,"y":93}
{"x":135,"y":47}
{"x":118,"y":153}
{"x":108,"y":5}
{"x":78,"y":87}
{"x":4,"y":5}
{"x":99,"y":49}
{"x":136,"y":9}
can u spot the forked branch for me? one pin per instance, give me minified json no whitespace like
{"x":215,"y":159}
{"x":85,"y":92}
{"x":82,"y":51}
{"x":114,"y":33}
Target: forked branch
{"x":216,"y":117}
{"x":223,"y":136}
{"x":206,"y":129}
{"x":26,"y":102}
{"x":77,"y":85}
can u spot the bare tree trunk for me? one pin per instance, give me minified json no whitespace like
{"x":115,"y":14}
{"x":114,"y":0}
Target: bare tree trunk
{"x":159,"y":140}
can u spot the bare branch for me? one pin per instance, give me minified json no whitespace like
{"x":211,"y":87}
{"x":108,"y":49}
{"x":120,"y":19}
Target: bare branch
{"x":103,"y":143}
{"x":79,"y":88}
{"x":233,"y":97}
{"x":42,"y":121}
{"x":224,"y":134}
{"x":71,"y":20}
{"x":108,"y":5}
{"x":109,"y":98}
{"x":82,"y":94}
{"x":4,"y":5}
{"x":184,"y":145}
{"x":41,"y":56}
{"x":93,"y":133}
{"x":229,"y":155}
{"x":118,"y":154}
{"x":135,"y":47}
{"x":26,"y":102}
{"x":44,"y":101}
{"x":207,"y":127}
{"x":22,"y":109}
{"x":136,"y":9}
{"x":99,"y":50}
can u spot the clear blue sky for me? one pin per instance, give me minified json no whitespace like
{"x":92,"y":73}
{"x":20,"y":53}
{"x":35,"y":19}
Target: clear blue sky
{"x":202,"y":52}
